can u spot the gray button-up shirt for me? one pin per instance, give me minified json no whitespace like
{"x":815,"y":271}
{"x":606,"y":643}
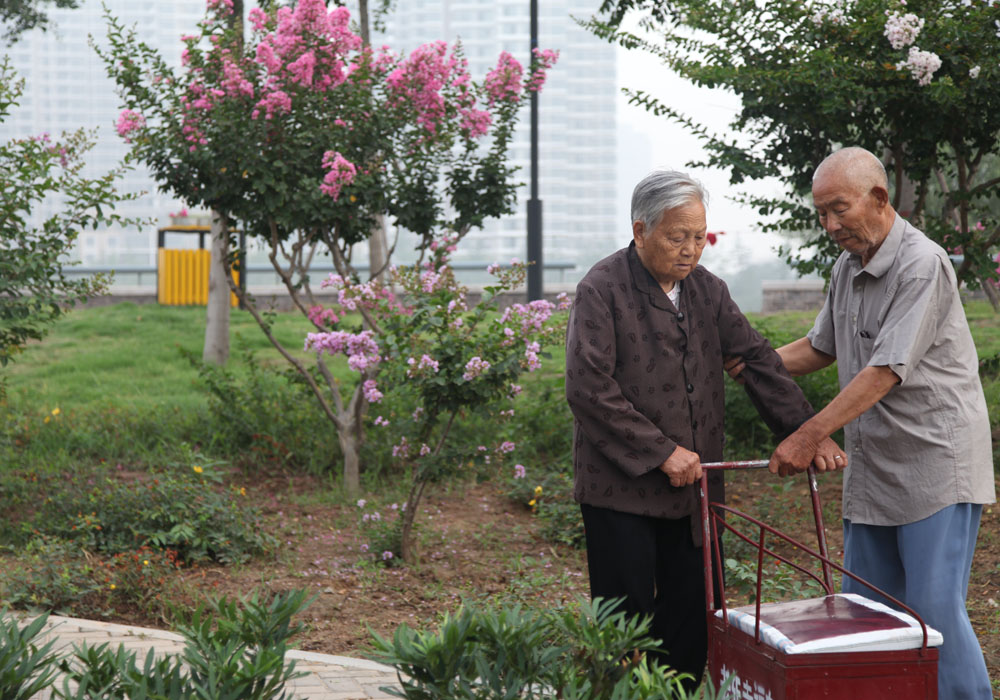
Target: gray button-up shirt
{"x":926,"y":444}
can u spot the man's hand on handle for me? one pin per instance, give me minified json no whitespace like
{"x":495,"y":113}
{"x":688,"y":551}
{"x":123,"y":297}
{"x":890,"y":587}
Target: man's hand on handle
{"x":682,"y":466}
{"x":798,"y":451}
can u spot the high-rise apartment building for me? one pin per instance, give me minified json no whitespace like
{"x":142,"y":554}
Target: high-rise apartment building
{"x":67,"y":88}
{"x":577,"y":173}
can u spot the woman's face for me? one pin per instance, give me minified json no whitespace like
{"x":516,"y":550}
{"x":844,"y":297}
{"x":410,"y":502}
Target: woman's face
{"x":672,"y":250}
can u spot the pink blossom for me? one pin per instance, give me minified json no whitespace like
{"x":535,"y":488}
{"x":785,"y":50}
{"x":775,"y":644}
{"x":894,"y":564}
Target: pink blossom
{"x":503,"y":83}
{"x":258,"y":18}
{"x":234,"y":82}
{"x":322,"y":317}
{"x":515,"y":389}
{"x":425,"y":449}
{"x":402,"y":449}
{"x":507,"y":446}
{"x":129,"y":121}
{"x":361,"y":503}
{"x":544,"y":59}
{"x":474,"y":368}
{"x":386,"y":555}
{"x":302,"y":69}
{"x":372,"y":394}
{"x":475,"y":122}
{"x":419,"y":79}
{"x":277,"y":102}
{"x":563,"y":301}
{"x":519,"y":471}
{"x":223,"y":7}
{"x":361,"y":349}
{"x":379,"y":420}
{"x":341,"y":172}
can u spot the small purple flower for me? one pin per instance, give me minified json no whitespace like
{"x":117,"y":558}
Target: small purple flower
{"x":386,"y":555}
{"x":519,"y":471}
{"x":364,"y":548}
{"x":361,"y":503}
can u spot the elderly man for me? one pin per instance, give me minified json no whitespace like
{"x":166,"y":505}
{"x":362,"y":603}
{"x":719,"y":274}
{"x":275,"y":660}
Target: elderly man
{"x":915,"y":419}
{"x":644,"y":379}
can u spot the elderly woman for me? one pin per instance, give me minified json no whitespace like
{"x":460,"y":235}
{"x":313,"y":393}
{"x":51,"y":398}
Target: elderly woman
{"x":644,"y":379}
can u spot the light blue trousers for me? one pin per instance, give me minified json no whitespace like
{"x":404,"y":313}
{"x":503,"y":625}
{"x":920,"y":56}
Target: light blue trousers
{"x":926,"y":565}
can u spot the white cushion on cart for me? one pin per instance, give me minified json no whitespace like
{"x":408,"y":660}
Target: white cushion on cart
{"x":834,"y":623}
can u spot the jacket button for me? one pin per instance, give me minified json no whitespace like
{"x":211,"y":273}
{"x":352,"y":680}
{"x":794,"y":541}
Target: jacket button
{"x":690,"y":388}
{"x":680,"y":315}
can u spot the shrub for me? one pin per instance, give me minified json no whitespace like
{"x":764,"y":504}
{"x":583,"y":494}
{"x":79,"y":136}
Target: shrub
{"x":52,"y":574}
{"x":588,"y":651}
{"x":179,"y":510}
{"x":25,"y":668}
{"x":266,"y":417}
{"x":232,"y":651}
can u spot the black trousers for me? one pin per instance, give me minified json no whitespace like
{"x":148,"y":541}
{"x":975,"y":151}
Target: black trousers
{"x":654,"y":564}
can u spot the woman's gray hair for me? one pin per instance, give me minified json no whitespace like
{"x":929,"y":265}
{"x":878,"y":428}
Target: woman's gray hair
{"x":661,"y":191}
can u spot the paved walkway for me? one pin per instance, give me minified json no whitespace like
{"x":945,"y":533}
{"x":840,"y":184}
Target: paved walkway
{"x":330,"y":677}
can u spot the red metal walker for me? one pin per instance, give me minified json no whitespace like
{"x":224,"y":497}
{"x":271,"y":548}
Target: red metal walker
{"x":835,"y":646}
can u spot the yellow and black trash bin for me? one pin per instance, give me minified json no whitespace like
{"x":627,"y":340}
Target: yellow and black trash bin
{"x":182,"y":273}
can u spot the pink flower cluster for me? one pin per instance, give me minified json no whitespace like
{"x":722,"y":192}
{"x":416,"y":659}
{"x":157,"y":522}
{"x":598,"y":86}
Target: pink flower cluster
{"x":902,"y":30}
{"x":365,"y":295}
{"x":129,"y":121}
{"x":532,"y":315}
{"x":503,"y":83}
{"x":223,"y":7}
{"x":307,"y":46}
{"x":507,"y":447}
{"x":531,"y":356}
{"x":519,"y":471}
{"x":402,"y":449}
{"x":322,"y":317}
{"x":372,"y":394}
{"x":921,"y":64}
{"x":340,"y":173}
{"x":361,"y":349}
{"x":474,"y":368}
{"x":426,"y":363}
{"x":544,"y":59}
{"x":419,"y":80}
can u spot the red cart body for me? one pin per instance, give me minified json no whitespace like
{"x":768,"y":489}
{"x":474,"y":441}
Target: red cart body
{"x":835,"y":646}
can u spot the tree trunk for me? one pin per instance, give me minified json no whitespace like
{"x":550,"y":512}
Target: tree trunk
{"x":378,"y":250}
{"x":378,"y":244}
{"x":216,"y":349}
{"x":351,"y":447}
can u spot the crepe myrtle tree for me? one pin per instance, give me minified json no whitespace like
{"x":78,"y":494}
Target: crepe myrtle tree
{"x":432,"y":355}
{"x":306,"y":136}
{"x":34,"y":287}
{"x":913,"y":81}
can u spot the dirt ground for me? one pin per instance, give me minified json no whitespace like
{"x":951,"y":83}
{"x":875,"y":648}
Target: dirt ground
{"x":474,"y":543}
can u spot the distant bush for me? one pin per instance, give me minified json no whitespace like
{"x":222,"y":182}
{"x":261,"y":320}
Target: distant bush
{"x":265,"y":417}
{"x":181,"y":510}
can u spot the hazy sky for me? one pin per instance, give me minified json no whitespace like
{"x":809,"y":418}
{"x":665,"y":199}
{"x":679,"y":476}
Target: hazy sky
{"x":647,"y":142}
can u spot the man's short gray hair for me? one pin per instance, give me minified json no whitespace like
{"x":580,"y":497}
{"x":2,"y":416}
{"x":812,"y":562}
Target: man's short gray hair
{"x":661,"y":191}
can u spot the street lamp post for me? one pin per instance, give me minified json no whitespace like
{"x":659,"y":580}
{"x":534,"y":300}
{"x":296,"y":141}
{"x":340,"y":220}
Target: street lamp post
{"x":535,"y":261}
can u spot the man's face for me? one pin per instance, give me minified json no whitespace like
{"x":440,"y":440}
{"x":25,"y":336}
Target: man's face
{"x":672,"y":250}
{"x":853,"y":218}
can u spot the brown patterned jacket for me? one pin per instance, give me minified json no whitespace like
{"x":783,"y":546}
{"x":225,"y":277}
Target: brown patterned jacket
{"x":643,"y":377}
